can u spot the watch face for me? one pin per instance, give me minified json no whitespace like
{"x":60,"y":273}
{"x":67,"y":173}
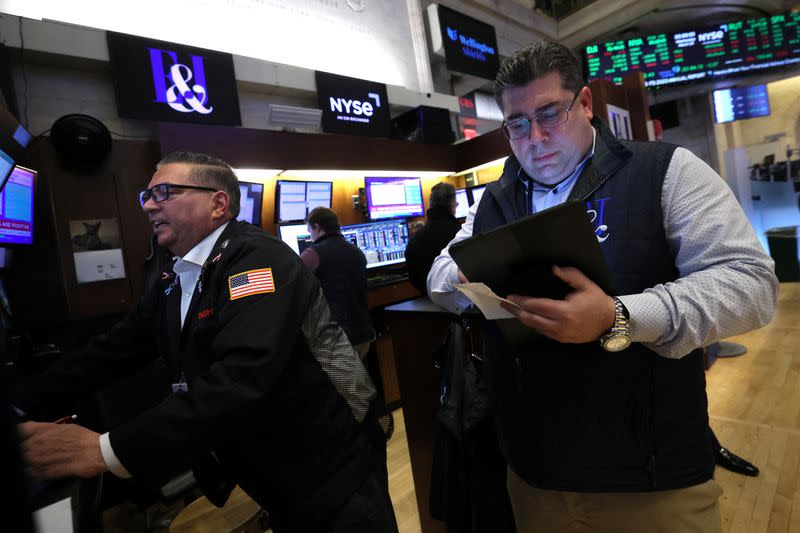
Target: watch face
{"x":617,"y":343}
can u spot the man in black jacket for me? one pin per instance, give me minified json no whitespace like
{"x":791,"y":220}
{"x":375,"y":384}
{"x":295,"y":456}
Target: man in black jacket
{"x":267,"y":393}
{"x":428,"y":241}
{"x":341,"y":268}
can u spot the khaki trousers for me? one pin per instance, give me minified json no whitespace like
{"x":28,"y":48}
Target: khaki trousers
{"x":690,"y":510}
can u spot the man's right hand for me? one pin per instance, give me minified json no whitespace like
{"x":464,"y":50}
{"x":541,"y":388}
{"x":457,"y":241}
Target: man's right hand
{"x":461,"y":277}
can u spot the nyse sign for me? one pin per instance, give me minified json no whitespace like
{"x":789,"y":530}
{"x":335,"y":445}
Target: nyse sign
{"x":354,"y":110}
{"x":352,"y":106}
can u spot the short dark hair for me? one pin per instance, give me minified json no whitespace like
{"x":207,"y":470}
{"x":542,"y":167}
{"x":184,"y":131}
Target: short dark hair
{"x":534,"y":61}
{"x":326,"y":218}
{"x":442,"y":195}
{"x":209,"y":171}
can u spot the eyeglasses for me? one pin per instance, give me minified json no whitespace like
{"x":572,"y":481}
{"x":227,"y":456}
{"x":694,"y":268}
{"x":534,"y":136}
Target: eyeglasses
{"x":161,"y":192}
{"x":553,"y":116}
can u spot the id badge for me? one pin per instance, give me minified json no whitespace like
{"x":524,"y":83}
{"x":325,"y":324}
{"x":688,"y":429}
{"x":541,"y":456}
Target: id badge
{"x":180,"y":386}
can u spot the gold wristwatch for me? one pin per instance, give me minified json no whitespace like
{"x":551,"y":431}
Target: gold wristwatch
{"x":618,"y":337}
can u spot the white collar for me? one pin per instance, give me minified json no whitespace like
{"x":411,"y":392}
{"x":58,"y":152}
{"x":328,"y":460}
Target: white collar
{"x":201,"y":251}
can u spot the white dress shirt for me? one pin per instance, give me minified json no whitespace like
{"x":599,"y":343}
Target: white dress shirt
{"x":188,"y":269}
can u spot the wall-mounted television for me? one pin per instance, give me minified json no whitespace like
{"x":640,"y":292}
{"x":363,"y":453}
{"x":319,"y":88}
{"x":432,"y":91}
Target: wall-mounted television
{"x":475,"y":193}
{"x":294,"y":199}
{"x":252,"y":196}
{"x":469,"y":45}
{"x":699,"y":53}
{"x":463,"y":203}
{"x":296,"y":236}
{"x":740,"y":103}
{"x":16,"y":207}
{"x":394,"y":197}
{"x":383,"y":243}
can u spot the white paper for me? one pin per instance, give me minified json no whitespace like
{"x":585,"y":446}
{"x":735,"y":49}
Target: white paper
{"x":486,"y":300}
{"x":99,"y":265}
{"x":55,"y":518}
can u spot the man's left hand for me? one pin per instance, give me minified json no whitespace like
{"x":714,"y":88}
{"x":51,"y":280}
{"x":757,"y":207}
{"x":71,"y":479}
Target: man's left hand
{"x":586,"y":313}
{"x":61,"y":450}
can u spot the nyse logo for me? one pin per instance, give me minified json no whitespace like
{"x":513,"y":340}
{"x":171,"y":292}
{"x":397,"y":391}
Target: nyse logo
{"x":361,"y":109}
{"x":177,"y":85}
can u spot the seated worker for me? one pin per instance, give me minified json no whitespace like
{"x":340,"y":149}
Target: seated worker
{"x":341,"y":269}
{"x":267,"y":394}
{"x":428,"y":242}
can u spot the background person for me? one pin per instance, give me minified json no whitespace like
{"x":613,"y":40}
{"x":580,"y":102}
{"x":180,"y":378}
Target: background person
{"x":428,"y":242}
{"x":341,"y":268}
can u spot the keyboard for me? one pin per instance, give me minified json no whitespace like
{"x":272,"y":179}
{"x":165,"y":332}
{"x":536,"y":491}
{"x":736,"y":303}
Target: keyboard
{"x":385,"y":279}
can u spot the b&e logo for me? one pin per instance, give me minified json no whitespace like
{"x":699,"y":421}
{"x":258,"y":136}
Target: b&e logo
{"x":352,"y":106}
{"x":172,"y":84}
{"x":157,"y":80}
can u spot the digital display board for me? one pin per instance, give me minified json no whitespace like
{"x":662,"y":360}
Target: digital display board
{"x":383,"y":243}
{"x":295,"y":199}
{"x":698,"y":54}
{"x":16,"y":207}
{"x":394,"y":197}
{"x":470,"y":46}
{"x":252,"y":196}
{"x":157,"y":80}
{"x":741,"y":102}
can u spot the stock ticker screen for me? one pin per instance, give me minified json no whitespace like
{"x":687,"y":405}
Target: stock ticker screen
{"x":700,"y":54}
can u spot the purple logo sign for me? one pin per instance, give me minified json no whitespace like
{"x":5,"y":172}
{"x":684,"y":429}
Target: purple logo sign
{"x":177,"y":85}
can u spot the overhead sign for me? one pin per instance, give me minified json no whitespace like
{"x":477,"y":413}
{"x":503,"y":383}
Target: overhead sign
{"x":469,"y":45}
{"x":157,"y":80}
{"x":352,"y":106}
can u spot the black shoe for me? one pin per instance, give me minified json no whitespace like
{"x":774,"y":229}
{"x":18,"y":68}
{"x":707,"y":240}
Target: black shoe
{"x":730,"y":461}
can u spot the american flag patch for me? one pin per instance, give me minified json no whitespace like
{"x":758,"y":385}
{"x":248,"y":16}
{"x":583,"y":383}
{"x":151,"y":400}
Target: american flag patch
{"x":251,"y":282}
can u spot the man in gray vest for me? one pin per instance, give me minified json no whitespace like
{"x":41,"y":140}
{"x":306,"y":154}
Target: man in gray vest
{"x":603,"y":419}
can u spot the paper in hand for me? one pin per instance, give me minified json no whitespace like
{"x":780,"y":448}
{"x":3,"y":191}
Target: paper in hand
{"x":486,"y":300}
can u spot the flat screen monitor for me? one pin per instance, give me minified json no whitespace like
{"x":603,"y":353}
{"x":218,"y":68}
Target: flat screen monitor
{"x":294,"y":199}
{"x":463,"y":203}
{"x":394,"y":197}
{"x":13,"y":137}
{"x":6,"y":166}
{"x":470,"y":46}
{"x":476,"y":193}
{"x":740,"y":103}
{"x":296,"y":236}
{"x":384,"y":243}
{"x":250,"y":203}
{"x":16,"y":207}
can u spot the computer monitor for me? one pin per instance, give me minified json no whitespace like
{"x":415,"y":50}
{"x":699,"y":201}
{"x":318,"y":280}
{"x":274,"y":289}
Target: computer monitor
{"x":463,"y":203}
{"x":296,"y":236}
{"x":16,"y":207}
{"x":384,"y":242}
{"x":6,"y":166}
{"x":394,"y":197}
{"x":250,"y":204}
{"x":294,"y":199}
{"x":476,"y":193}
